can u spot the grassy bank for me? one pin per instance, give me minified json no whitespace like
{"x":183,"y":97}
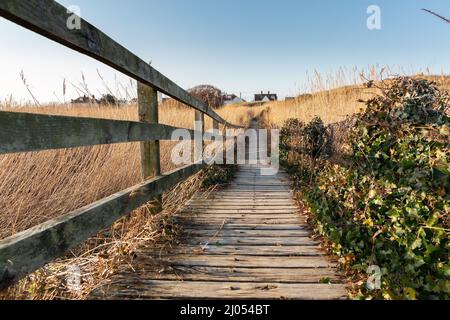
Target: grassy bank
{"x":381,"y":204}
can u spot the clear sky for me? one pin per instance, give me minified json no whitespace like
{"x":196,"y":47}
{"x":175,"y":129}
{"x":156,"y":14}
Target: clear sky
{"x":236,"y":45}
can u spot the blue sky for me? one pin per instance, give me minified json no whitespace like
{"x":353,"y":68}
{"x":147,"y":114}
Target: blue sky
{"x":238,"y":46}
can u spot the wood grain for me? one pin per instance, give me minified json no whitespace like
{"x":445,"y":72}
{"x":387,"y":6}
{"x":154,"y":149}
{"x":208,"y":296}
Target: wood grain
{"x":33,"y":248}
{"x":248,"y":245}
{"x":49,"y":19}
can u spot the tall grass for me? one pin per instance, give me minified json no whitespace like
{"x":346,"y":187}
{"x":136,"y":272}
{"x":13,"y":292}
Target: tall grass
{"x":38,"y":186}
{"x":333,"y":97}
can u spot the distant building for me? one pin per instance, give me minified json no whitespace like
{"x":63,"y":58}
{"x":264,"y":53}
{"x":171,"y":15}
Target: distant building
{"x":85,"y":99}
{"x":289,"y":98}
{"x":266,"y":97}
{"x":231,"y":99}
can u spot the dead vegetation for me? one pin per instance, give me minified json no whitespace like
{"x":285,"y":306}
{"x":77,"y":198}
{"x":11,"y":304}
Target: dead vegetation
{"x":36,"y":187}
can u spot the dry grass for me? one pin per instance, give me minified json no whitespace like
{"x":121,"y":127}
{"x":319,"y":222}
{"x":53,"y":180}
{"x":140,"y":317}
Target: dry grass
{"x":331,"y":105}
{"x":101,"y":256}
{"x":38,"y":186}
{"x":35,"y":187}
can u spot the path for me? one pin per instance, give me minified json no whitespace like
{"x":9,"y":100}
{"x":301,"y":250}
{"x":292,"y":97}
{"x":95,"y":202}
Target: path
{"x":247,"y":241}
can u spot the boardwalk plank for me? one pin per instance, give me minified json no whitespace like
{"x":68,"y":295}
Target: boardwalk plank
{"x":230,"y":250}
{"x":305,"y":275}
{"x":247,"y":241}
{"x":241,"y":261}
{"x":195,"y":232}
{"x":154,"y":289}
{"x":262,"y":241}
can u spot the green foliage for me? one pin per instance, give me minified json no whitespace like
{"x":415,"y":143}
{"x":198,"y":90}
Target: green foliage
{"x":311,"y":139}
{"x":217,"y":175}
{"x":389,"y":207}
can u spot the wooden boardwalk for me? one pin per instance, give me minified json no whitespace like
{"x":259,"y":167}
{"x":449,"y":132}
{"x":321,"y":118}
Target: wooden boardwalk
{"x":247,"y":241}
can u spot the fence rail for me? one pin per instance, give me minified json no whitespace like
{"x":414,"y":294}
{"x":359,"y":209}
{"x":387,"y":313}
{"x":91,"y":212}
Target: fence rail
{"x":49,"y":19}
{"x":27,"y":251}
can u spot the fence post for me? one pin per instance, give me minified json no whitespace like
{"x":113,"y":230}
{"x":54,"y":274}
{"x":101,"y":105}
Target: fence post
{"x":215,"y":126}
{"x":199,"y":143}
{"x":150,"y":151}
{"x":216,"y":131}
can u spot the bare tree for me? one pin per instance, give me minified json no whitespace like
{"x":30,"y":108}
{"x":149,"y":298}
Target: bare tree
{"x":208,"y":94}
{"x":437,"y":15}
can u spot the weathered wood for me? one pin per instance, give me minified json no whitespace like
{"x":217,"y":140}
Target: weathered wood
{"x":181,"y":273}
{"x":196,"y":232}
{"x":244,"y":205}
{"x":238,"y":250}
{"x":242,"y":216}
{"x":241,"y":210}
{"x":254,"y":220}
{"x":233,"y":225}
{"x":249,"y":241}
{"x":148,"y":113}
{"x":33,"y":248}
{"x":23,"y":132}
{"x":244,"y":247}
{"x":199,"y":143}
{"x":250,"y":194}
{"x":276,"y":262}
{"x":215,"y":125}
{"x":159,"y":289}
{"x":49,"y":18}
{"x":150,"y":150}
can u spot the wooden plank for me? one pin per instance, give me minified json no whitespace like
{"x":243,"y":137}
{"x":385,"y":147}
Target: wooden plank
{"x":246,"y":192}
{"x":33,"y":248}
{"x":234,"y":191}
{"x":242,"y":204}
{"x":235,"y":261}
{"x":223,"y":233}
{"x":150,"y":150}
{"x":240,"y":216}
{"x":260,"y":180}
{"x":232,"y":250}
{"x":23,"y":132}
{"x":154,"y":289}
{"x":240,"y":210}
{"x":253,"y":221}
{"x":246,"y":199}
{"x":49,"y":18}
{"x":199,"y":144}
{"x":232,"y":275}
{"x":234,"y":204}
{"x":250,"y":195}
{"x":148,"y":113}
{"x":238,"y":248}
{"x":232,"y":211}
{"x":250,"y":241}
{"x":251,"y":187}
{"x":230,"y":225}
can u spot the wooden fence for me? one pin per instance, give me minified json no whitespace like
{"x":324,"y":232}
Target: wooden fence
{"x":27,"y":251}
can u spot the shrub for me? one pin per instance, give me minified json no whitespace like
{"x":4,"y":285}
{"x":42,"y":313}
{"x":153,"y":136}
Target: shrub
{"x":217,"y":175}
{"x":208,"y":94}
{"x":312,"y":139}
{"x":389,"y":207}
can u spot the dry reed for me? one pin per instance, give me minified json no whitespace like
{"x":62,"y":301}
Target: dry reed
{"x":35,"y":187}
